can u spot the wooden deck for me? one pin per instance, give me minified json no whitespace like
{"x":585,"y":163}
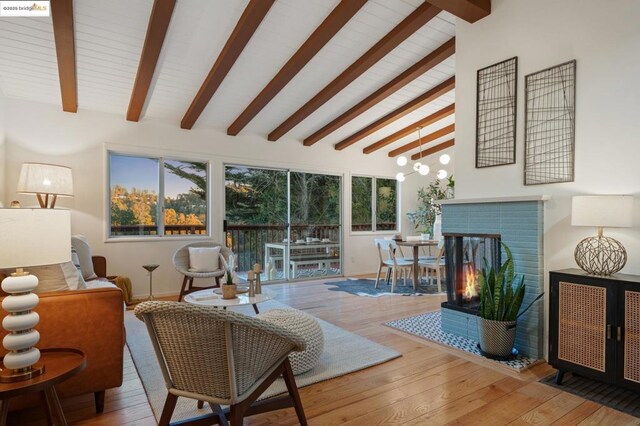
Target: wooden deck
{"x":429,"y":384}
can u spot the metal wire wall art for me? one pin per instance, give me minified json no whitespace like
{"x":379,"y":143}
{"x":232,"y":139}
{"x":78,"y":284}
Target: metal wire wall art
{"x":496,"y":114}
{"x":550,"y":98}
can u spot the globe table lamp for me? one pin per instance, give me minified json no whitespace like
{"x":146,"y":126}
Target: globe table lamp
{"x":30,"y":237}
{"x":601,"y":255}
{"x":46,"y":181}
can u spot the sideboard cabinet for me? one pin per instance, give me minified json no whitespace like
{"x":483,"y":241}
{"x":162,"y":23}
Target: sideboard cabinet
{"x":594,"y":326}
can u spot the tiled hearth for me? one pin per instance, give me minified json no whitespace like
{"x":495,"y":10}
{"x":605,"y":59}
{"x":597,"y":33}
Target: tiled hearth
{"x":520,"y":224}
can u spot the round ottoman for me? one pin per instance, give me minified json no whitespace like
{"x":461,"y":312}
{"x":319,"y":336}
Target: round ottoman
{"x":304,"y":325}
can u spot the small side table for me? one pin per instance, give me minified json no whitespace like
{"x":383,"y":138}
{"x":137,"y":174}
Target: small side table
{"x":150,"y":268}
{"x":59,"y":365}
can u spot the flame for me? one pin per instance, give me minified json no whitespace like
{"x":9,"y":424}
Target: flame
{"x":471,"y":283}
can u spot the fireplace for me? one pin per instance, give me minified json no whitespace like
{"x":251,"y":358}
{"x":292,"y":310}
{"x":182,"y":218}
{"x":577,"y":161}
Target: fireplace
{"x":465,"y":256}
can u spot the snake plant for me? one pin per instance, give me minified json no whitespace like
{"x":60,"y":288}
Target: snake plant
{"x":501,"y":291}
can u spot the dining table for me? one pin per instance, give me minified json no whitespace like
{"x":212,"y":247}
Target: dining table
{"x":415,"y":245}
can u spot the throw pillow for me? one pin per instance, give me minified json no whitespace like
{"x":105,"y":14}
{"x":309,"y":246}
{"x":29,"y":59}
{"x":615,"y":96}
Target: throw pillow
{"x":204,"y":259}
{"x":81,"y":244}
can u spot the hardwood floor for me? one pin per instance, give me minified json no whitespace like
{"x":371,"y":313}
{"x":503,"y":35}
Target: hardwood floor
{"x":429,"y":384}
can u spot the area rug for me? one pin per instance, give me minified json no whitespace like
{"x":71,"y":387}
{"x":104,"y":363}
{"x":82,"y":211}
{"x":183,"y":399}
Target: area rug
{"x":609,"y":395}
{"x":429,"y":326}
{"x":365,"y":287}
{"x":344,"y":353}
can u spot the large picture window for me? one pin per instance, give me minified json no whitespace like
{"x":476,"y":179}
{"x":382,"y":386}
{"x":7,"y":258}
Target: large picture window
{"x":155,"y":196}
{"x":374,"y":204}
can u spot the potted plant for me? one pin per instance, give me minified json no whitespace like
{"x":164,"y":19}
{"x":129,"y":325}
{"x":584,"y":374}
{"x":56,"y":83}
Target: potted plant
{"x":429,"y":209}
{"x":501,"y":297}
{"x":229,"y":288}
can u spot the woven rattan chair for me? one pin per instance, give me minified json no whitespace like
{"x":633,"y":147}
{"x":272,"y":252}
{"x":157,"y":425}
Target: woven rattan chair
{"x":220,"y":357}
{"x":181,"y":263}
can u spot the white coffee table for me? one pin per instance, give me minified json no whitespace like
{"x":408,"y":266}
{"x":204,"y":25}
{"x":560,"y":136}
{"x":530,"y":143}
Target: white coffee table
{"x":209,"y":298}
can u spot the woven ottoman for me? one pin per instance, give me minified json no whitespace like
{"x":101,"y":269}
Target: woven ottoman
{"x":304,"y":325}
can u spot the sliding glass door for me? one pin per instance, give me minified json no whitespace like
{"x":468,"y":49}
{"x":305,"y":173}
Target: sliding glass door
{"x":288,"y":222}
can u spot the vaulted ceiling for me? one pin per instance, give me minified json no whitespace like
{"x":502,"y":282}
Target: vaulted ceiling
{"x":356,"y":74}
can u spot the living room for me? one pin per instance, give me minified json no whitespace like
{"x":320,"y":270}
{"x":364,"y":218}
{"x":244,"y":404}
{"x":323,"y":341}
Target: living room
{"x":316,"y":101}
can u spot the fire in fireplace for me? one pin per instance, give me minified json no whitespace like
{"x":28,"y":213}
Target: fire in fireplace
{"x":465,"y":256}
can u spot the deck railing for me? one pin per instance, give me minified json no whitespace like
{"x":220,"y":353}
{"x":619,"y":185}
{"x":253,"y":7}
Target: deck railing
{"x":248,"y":241}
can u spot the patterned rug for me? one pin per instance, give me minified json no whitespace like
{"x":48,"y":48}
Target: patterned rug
{"x":429,"y":326}
{"x":365,"y":287}
{"x":609,"y":395}
{"x":336,"y":360}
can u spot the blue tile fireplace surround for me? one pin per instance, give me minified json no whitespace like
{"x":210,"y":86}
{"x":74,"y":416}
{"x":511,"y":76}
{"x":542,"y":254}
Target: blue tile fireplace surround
{"x":520,"y":224}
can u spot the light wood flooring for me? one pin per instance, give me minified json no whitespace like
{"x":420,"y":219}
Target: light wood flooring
{"x":429,"y":384}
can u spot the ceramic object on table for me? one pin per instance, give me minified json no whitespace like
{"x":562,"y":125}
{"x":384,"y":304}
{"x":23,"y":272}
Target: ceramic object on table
{"x":229,"y":291}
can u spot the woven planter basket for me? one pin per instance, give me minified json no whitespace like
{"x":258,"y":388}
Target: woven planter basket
{"x":497,"y":337}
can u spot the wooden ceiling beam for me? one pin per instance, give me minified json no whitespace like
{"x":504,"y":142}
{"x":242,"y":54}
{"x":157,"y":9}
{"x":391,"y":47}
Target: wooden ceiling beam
{"x":469,"y":10}
{"x":417,"y":19}
{"x":248,"y":23}
{"x":431,"y":60}
{"x":333,"y":23}
{"x":434,"y":149}
{"x":426,"y":139}
{"x":63,"y":33}
{"x":427,"y":121}
{"x":156,"y":32}
{"x":399,"y":112}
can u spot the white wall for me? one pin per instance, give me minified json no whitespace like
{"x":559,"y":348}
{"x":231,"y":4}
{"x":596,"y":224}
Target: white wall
{"x":39,"y":132}
{"x":2,"y":148}
{"x":605,"y":41}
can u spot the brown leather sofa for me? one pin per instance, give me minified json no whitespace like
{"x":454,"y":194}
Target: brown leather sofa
{"x":91,"y":320}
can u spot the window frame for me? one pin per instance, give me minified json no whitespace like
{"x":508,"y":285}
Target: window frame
{"x":160,"y":236}
{"x":374,"y":206}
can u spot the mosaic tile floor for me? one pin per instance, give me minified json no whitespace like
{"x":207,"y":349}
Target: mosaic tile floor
{"x":429,"y":326}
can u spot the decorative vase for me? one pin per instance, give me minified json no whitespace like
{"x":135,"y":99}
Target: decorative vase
{"x":229,"y":291}
{"x":496,"y":337}
{"x":437,"y":228}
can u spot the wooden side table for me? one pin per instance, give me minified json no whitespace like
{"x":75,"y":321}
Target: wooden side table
{"x":59,"y":365}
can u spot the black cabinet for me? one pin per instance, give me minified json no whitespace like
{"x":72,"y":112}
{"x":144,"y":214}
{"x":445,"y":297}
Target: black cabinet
{"x":594,"y":326}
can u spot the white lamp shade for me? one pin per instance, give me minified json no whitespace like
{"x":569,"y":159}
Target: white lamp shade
{"x":34,"y":237}
{"x":36,"y":178}
{"x":612,"y":211}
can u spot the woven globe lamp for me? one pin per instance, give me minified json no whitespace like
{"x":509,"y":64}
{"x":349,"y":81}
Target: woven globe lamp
{"x":601,"y":255}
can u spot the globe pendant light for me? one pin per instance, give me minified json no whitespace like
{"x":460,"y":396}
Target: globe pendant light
{"x":402,"y":160}
{"x":444,"y":159}
{"x":442,"y":174}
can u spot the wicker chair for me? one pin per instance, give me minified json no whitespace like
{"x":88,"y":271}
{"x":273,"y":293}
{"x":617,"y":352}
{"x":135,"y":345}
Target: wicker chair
{"x":220,"y":357}
{"x":181,"y":263}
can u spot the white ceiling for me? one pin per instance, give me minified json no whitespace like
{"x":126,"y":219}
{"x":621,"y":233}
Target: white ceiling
{"x":110,"y":35}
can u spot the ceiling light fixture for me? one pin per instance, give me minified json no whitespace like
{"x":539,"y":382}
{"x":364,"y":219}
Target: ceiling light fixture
{"x":418,"y":167}
{"x":442,"y":174}
{"x":444,"y":159}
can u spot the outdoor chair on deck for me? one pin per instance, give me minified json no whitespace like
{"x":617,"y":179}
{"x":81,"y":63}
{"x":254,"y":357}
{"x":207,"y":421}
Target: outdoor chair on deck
{"x":181,"y":263}
{"x":222,"y":358}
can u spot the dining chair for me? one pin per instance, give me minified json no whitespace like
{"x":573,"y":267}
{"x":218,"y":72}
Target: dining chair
{"x":391,"y":262}
{"x":436,"y":264}
{"x":221,"y":358}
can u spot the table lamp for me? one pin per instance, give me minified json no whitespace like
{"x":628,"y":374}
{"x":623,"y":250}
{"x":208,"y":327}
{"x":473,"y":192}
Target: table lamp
{"x":45,"y":180}
{"x":30,"y":237}
{"x":601,"y":255}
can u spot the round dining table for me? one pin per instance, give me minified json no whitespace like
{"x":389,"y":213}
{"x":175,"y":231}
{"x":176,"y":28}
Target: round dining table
{"x":416,"y":244}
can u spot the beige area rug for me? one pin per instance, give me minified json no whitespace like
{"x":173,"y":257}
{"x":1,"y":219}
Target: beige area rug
{"x":344,"y":353}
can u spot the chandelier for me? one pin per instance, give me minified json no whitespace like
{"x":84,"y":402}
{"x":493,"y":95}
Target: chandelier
{"x":418,"y":166}
{"x":423,"y":169}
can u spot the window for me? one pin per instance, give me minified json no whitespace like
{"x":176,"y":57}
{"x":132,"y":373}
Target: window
{"x":155,"y":196}
{"x":374,"y":204}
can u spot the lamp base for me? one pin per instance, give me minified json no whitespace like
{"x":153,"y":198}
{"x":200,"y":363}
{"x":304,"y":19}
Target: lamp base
{"x":600,"y":255}
{"x":12,"y":376}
